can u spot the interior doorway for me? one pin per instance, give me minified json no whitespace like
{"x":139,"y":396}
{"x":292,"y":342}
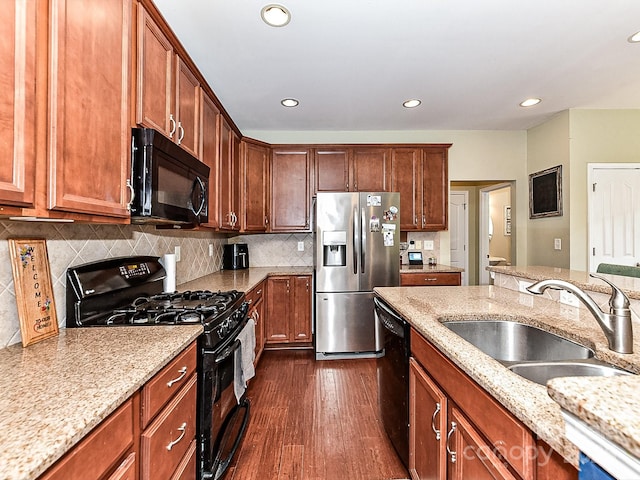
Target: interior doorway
{"x":459,"y":232}
{"x":496,"y":233}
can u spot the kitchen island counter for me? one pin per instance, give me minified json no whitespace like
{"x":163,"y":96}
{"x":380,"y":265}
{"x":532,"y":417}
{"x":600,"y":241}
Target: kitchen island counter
{"x":56,"y":391}
{"x":426,"y":307}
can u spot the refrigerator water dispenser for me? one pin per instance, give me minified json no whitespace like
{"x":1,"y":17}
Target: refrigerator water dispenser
{"x":334,"y":249}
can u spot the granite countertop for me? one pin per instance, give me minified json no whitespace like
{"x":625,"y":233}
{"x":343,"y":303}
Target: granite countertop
{"x":629,"y":285}
{"x":242,"y":280}
{"x":426,"y":307}
{"x":56,"y":391}
{"x":405,"y":268}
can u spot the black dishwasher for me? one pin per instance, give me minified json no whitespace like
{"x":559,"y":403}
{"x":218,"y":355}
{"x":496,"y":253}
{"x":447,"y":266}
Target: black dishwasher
{"x":393,"y":377}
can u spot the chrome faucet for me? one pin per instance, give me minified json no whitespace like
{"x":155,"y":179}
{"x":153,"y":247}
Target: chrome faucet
{"x":616,"y":324}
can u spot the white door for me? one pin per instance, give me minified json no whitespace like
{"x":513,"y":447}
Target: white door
{"x":614,"y":214}
{"x":458,"y":231}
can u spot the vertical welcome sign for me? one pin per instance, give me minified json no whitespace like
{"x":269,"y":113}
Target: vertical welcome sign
{"x":34,"y":293}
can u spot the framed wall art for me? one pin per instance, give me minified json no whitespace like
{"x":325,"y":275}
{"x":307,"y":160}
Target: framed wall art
{"x":34,"y":293}
{"x":545,"y":193}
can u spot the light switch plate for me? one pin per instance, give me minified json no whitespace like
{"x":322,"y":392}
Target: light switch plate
{"x":301,"y":246}
{"x":569,"y":298}
{"x":557,"y":243}
{"x":418,"y":245}
{"x":211,"y":249}
{"x":428,"y":244}
{"x":177,"y":252}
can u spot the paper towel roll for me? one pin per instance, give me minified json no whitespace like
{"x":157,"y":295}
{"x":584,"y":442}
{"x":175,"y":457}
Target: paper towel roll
{"x":169,"y":263}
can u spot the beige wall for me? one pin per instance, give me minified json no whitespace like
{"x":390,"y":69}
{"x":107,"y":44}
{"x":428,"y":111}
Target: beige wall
{"x":474,"y":156}
{"x":548,"y":146}
{"x":597,"y":136}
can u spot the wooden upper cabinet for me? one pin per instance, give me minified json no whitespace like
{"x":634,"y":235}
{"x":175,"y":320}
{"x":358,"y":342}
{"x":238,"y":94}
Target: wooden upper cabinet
{"x":89,"y":123}
{"x":187,"y":108}
{"x":228,"y":195}
{"x":154,"y":84}
{"x":406,"y":172}
{"x":18,"y":103}
{"x":435,"y":189}
{"x":370,"y":170}
{"x":255,"y":176}
{"x":290,"y":190}
{"x":332,"y":170}
{"x":210,"y":155}
{"x":168,"y":92}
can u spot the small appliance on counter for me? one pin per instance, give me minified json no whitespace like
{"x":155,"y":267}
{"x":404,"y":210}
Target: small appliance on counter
{"x":235,"y":256}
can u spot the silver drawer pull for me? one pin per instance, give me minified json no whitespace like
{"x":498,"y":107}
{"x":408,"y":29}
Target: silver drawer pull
{"x":449,"y":451}
{"x":182,"y":372}
{"x":433,"y":419}
{"x":182,"y":428}
{"x":431,"y":279}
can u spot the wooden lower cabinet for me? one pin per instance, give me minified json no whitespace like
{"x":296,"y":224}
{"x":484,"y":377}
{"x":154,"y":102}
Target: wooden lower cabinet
{"x":288,"y":319}
{"x":427,"y":279}
{"x":255,"y":297}
{"x":458,"y":431}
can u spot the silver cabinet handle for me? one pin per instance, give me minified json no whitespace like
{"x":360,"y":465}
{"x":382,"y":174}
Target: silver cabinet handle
{"x":173,"y":128}
{"x":452,"y":453}
{"x":182,"y":428}
{"x":430,"y":279}
{"x":133,"y":194}
{"x":181,"y":133}
{"x":433,"y":419}
{"x":182,"y":372}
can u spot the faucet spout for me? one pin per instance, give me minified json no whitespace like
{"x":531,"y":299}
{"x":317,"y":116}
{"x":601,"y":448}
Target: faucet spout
{"x":616,"y":324}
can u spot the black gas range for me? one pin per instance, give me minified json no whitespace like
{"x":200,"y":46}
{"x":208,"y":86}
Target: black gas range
{"x":127,"y":292}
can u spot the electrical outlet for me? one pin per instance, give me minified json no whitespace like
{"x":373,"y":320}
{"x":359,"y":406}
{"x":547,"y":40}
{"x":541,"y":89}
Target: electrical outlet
{"x":526,"y":300}
{"x":569,"y":298}
{"x":522,"y":286}
{"x":428,"y":244}
{"x":557,"y":243}
{"x":301,"y":246}
{"x":418,"y":245}
{"x":177,"y":252}
{"x":211,"y":249}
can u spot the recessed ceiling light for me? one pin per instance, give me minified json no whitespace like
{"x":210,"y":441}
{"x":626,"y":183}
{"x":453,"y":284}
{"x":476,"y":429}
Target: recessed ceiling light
{"x":413,"y":103}
{"x":289,"y":102}
{"x":530,"y":102}
{"x":275,"y":15}
{"x":635,"y":38}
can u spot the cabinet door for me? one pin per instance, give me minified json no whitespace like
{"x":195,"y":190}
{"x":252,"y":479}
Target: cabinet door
{"x":257,"y":313}
{"x":427,"y":426}
{"x":18,"y":102}
{"x":290,"y":190}
{"x":154,"y":83}
{"x":89,"y":123}
{"x":256,"y":175}
{"x":210,"y":155}
{"x":406,"y":164}
{"x":370,"y":170}
{"x":435,"y":189}
{"x":276,"y":326}
{"x":228,"y":220}
{"x":187,"y":109}
{"x":474,"y":458}
{"x":332,"y":170}
{"x":301,"y":320}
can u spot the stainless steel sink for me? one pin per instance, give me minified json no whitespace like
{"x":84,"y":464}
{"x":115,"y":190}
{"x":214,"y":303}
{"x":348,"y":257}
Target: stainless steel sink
{"x":542,"y":372}
{"x":508,"y":341}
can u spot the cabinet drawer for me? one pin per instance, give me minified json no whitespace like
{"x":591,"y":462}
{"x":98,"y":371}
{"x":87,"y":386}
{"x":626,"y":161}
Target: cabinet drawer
{"x":255,"y":294}
{"x":165,"y":442}
{"x":157,"y":391}
{"x":427,"y":279}
{"x":100,"y":451}
{"x":187,"y":468}
{"x":504,"y":431}
{"x":126,"y":470}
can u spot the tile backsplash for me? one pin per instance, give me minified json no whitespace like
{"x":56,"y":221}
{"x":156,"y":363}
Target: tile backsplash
{"x":75,"y":244}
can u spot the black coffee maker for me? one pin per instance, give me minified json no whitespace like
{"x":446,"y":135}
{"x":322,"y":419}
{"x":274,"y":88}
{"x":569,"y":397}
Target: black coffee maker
{"x":235,"y":256}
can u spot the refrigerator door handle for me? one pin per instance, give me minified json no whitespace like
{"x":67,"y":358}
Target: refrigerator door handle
{"x":355,"y":241}
{"x":363,"y":241}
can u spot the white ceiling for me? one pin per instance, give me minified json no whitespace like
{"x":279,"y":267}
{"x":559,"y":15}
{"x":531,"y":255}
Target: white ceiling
{"x":352,"y":63}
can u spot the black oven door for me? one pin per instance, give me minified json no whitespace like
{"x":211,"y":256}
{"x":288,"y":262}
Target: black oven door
{"x":223,"y":419}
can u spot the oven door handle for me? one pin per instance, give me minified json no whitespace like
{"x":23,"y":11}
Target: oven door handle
{"x":227,"y":352}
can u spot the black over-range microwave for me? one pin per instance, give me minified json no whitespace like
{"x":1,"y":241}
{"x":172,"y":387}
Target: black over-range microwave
{"x":170,"y":186}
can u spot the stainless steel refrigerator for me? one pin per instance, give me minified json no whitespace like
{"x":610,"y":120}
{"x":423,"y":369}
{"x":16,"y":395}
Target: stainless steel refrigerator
{"x":357,"y":238}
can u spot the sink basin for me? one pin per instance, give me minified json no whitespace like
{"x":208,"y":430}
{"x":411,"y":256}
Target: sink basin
{"x":544,"y":371}
{"x":508,"y":341}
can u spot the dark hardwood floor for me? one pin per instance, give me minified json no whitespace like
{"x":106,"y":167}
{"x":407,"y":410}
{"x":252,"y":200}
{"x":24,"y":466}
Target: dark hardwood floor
{"x":314,"y":421}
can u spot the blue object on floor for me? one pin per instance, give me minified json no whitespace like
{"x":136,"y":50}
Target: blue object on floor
{"x":589,"y":470}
